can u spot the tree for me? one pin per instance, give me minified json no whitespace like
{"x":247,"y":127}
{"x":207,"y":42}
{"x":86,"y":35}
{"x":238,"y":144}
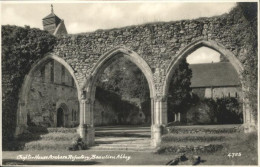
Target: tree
{"x":126,"y":79}
{"x":179,"y":90}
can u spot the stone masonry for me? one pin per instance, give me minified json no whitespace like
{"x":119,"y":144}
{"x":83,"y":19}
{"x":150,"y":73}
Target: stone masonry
{"x":156,"y":49}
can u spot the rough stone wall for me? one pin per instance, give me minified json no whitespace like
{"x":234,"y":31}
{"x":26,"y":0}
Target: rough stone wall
{"x":46,"y":95}
{"x":104,"y":114}
{"x":157,"y":43}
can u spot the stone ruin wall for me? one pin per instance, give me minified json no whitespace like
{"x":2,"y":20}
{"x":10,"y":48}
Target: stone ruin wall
{"x":45,"y":96}
{"x":157,"y":43}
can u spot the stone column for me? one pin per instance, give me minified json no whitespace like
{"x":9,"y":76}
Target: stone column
{"x":82,"y":127}
{"x":152,"y":117}
{"x":89,"y":121}
{"x":21,"y":124}
{"x":249,"y":122}
{"x":160,"y":118}
{"x":86,"y":127}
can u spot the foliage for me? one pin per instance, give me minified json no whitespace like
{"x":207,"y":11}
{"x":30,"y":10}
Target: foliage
{"x":146,"y":108}
{"x":126,"y":79}
{"x":121,"y":107}
{"x":226,"y":110}
{"x":192,"y":138}
{"x":21,"y":47}
{"x":121,"y":82}
{"x":200,"y":129}
{"x":168,"y":148}
{"x":247,"y":13}
{"x":179,"y":89}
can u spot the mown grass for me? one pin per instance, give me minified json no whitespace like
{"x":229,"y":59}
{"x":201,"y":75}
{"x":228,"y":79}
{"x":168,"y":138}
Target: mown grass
{"x":193,"y":138}
{"x":246,"y":144}
{"x":60,"y":136}
{"x":47,"y":145}
{"x":215,"y":152}
{"x":206,"y":130}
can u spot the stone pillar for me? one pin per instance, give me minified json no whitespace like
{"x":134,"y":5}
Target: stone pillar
{"x":160,"y":118}
{"x":82,"y":127}
{"x":86,"y":128}
{"x":249,"y":121}
{"x":89,"y":121}
{"x":152,"y":117}
{"x":21,"y":124}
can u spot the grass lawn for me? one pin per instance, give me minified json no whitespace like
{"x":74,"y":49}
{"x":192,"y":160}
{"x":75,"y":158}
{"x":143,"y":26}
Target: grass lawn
{"x":244,"y":145}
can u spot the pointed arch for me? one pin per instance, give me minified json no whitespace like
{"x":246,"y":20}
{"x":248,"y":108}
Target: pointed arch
{"x":184,"y":52}
{"x":247,"y":118}
{"x":110,"y":57}
{"x":38,"y":65}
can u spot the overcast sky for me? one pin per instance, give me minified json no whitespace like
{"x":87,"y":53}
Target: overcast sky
{"x":86,"y":17}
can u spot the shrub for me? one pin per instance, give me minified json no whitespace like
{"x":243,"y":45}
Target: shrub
{"x":226,"y":110}
{"x":77,"y":144}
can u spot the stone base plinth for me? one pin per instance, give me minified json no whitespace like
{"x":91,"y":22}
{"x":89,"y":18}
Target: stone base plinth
{"x":156,"y":135}
{"x":20,"y":129}
{"x":249,"y":127}
{"x":87,"y":133}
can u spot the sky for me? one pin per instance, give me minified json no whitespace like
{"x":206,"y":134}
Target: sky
{"x":88,"y":17}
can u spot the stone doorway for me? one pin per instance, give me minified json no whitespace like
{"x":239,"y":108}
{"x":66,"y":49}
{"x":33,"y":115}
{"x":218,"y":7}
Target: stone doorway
{"x":60,"y":118}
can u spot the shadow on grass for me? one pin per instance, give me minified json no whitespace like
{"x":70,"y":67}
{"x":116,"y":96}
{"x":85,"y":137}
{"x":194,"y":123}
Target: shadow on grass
{"x":20,"y":162}
{"x":33,"y":133}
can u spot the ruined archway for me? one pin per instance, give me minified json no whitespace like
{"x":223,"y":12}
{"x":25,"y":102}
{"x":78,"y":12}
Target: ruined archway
{"x":102,"y":64}
{"x":24,"y":92}
{"x":184,"y":52}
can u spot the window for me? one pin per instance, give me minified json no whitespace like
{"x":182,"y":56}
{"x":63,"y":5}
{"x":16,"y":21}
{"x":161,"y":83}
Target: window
{"x":75,"y":115}
{"x":72,"y":115}
{"x":43,"y":73}
{"x":72,"y":79}
{"x":62,"y":74}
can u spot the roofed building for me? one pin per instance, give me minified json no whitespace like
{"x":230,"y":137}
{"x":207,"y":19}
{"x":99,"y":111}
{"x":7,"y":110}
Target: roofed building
{"x":53,"y":24}
{"x":215,"y":80}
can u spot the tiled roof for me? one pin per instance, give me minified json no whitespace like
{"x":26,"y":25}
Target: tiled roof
{"x":50,"y":16}
{"x":51,"y":19}
{"x":213,"y":75}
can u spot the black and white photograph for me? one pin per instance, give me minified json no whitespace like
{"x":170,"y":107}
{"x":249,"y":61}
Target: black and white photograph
{"x":164,"y":83}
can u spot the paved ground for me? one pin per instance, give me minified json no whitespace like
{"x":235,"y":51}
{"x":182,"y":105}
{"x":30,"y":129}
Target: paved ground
{"x":118,"y":138}
{"x":131,"y":131}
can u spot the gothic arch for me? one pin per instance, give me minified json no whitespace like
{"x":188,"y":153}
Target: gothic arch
{"x":24,"y":91}
{"x":184,"y":52}
{"x":110,"y":57}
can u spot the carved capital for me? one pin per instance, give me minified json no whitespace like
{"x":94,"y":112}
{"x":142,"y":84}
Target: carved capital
{"x":87,"y":101}
{"x":160,"y":98}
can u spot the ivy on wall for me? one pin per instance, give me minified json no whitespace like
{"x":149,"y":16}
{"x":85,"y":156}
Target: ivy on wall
{"x":21,"y":47}
{"x":248,"y":41}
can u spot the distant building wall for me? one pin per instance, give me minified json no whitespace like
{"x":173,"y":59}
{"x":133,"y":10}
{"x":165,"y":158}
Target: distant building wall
{"x":218,"y":92}
{"x":104,"y":114}
{"x":51,"y":87}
